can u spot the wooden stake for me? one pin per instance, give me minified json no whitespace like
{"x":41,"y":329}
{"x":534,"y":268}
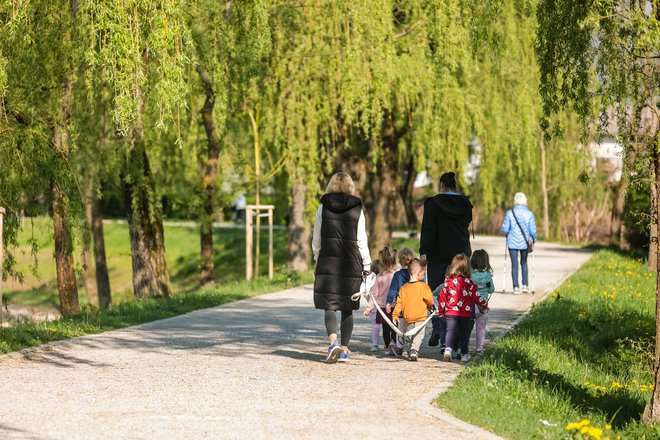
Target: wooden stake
{"x":270,"y":244}
{"x":2,"y":213}
{"x":248,"y":242}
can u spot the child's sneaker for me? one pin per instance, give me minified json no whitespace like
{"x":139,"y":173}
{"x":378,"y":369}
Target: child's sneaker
{"x":447,"y":355}
{"x":333,"y":353}
{"x":413,"y":355}
{"x":374,"y":348}
{"x":516,"y":291}
{"x":525,"y":289}
{"x":343,"y":356}
{"x":479,"y":353}
{"x":466,"y":357}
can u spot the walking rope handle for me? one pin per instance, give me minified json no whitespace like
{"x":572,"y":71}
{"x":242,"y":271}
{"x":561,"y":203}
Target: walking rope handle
{"x":409,"y":333}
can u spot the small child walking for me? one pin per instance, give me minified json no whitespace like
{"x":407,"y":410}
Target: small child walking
{"x":401,"y":277}
{"x":414,"y":299}
{"x":387,"y":261}
{"x":458,"y":297}
{"x":482,"y":277}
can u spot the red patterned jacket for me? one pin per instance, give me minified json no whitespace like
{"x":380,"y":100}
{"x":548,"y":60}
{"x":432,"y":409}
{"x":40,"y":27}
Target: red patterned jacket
{"x":458,"y":297}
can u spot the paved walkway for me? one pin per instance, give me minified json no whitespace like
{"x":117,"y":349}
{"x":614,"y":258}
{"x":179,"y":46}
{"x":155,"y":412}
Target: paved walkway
{"x":250,"y":370}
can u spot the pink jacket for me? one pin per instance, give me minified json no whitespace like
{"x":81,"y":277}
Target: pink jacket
{"x":380,"y":289}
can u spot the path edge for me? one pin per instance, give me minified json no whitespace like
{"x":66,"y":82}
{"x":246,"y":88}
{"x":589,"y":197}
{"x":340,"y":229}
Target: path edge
{"x":425,"y":403}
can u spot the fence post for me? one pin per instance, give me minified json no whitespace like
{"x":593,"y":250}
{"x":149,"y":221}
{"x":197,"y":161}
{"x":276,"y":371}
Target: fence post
{"x":2,"y":276}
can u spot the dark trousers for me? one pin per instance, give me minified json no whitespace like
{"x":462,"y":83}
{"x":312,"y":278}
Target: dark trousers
{"x":388,"y":332}
{"x":346,"y":324}
{"x":513,"y":253}
{"x":435,"y":273}
{"x":458,"y":332}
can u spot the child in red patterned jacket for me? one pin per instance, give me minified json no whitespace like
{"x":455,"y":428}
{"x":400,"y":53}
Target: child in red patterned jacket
{"x":458,"y":297}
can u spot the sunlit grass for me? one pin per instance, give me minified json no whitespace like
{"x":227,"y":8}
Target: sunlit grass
{"x":584,"y":354}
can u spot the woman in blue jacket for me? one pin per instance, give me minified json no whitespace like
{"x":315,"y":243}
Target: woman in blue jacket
{"x":518,"y":226}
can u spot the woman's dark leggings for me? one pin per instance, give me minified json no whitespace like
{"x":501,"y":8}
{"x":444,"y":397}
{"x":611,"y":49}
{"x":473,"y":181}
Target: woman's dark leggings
{"x":458,"y":332}
{"x":346,"y":324}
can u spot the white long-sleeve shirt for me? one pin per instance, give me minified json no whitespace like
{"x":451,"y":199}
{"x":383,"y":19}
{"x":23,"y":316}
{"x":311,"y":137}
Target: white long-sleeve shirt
{"x":363,"y":246}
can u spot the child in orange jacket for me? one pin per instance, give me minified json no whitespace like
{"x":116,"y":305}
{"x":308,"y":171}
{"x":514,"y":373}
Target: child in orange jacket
{"x":415,"y":298}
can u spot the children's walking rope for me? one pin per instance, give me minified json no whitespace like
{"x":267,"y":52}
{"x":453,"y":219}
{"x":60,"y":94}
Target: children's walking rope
{"x":367,"y":293}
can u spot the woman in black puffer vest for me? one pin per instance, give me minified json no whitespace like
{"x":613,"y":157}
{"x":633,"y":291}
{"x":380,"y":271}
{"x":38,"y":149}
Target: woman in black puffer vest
{"x":342,"y":254}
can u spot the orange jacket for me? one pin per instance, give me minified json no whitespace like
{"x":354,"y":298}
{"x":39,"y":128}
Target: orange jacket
{"x":414,"y":299}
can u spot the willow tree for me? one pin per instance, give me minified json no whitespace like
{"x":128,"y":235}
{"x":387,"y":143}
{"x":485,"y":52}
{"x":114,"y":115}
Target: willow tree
{"x":604,"y":56}
{"x":506,"y":116}
{"x":230,"y":43}
{"x":39,"y":40}
{"x":141,"y":50}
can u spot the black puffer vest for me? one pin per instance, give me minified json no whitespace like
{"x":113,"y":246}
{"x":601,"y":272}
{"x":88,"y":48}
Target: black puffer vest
{"x":338,"y":272}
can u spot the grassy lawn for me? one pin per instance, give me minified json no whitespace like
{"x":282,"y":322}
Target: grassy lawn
{"x":584,"y":354}
{"x":39,"y":288}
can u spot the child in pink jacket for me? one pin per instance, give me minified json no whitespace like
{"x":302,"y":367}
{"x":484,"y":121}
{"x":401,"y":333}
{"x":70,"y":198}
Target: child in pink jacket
{"x":387,"y":258}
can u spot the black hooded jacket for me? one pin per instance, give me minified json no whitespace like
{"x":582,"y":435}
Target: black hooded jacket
{"x":338,"y":272}
{"x":445,"y":228}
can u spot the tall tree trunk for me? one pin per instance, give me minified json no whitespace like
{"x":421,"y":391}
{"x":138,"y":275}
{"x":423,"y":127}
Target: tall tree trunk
{"x":383,"y":185}
{"x":102,"y":279}
{"x":145,"y":223}
{"x":653,"y":238}
{"x":406,"y":192}
{"x":652,"y":410}
{"x":299,"y":230}
{"x":544,"y":191}
{"x":207,"y":264}
{"x":88,"y":268}
{"x":66,"y":278}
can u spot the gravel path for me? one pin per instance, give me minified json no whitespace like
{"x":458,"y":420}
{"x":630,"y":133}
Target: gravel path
{"x":250,"y":369}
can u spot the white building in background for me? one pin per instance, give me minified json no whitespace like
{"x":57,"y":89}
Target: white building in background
{"x":607,"y":156}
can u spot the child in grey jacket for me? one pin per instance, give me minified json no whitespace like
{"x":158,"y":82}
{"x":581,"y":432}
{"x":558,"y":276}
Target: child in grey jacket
{"x":482,"y":276}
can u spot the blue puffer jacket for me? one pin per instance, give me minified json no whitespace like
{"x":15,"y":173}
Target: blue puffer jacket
{"x":514,"y":236}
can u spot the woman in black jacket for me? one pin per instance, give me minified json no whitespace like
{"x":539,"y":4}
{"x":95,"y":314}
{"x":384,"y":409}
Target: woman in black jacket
{"x":341,"y":252}
{"x":445,"y":234}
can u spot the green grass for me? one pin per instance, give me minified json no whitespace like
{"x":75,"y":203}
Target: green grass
{"x":136,"y":312}
{"x":39,"y":287}
{"x":583,"y":354}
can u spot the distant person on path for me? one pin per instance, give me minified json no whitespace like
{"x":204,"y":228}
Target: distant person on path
{"x":415,"y":298}
{"x":482,"y":277}
{"x":238,"y":208}
{"x":339,"y":244}
{"x":401,"y":277}
{"x":375,"y":326}
{"x":445,"y":233}
{"x":458,"y":296}
{"x":387,"y":258}
{"x":519,"y":227}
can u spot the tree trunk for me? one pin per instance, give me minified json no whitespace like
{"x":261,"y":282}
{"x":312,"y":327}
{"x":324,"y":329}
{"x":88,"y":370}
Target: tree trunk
{"x":652,"y":410}
{"x":653,"y":238}
{"x":299,"y":230}
{"x":383,"y":185}
{"x":544,"y":191}
{"x":629,"y":157}
{"x":66,"y":277}
{"x":88,"y":268}
{"x":406,"y":193}
{"x":145,"y":223}
{"x":102,"y":280}
{"x":207,"y":264}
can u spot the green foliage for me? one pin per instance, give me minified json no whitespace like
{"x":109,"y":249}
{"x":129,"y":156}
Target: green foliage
{"x":584,"y":353}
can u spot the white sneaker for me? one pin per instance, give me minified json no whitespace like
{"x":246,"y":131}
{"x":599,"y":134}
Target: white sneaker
{"x":466,"y":357}
{"x":447,"y":356}
{"x":516,"y":291}
{"x":374,"y":348}
{"x":525,"y":289}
